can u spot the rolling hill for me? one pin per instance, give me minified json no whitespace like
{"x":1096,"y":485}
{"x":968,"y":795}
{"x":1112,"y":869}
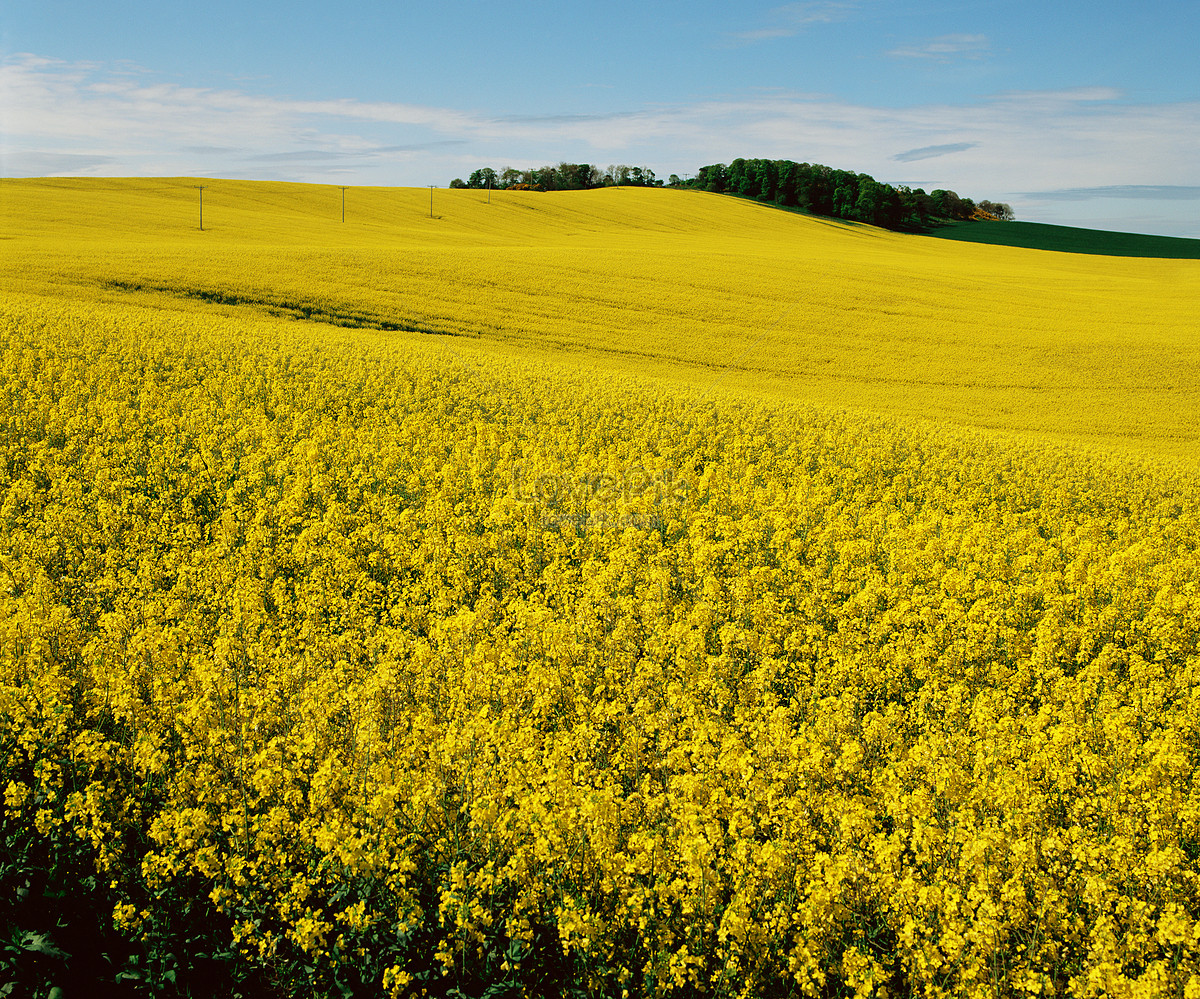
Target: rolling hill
{"x":709,"y":292}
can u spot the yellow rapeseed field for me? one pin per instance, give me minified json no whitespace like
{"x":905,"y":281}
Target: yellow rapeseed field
{"x":691,"y":286}
{"x":616,"y":593}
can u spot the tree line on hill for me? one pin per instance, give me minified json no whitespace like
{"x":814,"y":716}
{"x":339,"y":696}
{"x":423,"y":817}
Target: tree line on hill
{"x":807,"y":187}
{"x":841,"y":194}
{"x":564,"y":177}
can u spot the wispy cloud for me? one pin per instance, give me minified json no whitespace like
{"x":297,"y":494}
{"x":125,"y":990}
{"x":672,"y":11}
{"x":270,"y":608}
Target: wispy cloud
{"x":365,"y":152}
{"x":792,"y":18}
{"x":945,"y":48}
{"x":300,"y":156}
{"x":569,"y":119}
{"x":39,"y":163}
{"x":1133,"y":192}
{"x":1067,"y":95}
{"x":929,"y":152}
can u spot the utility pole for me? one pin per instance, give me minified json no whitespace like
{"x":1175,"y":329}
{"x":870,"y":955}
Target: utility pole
{"x":343,"y":204}
{"x":489,"y":190}
{"x":431,"y":187}
{"x":200,"y":188}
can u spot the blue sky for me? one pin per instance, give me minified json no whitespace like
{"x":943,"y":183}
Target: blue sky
{"x":1075,"y":113}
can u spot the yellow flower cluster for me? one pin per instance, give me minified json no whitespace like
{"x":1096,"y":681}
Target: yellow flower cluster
{"x":435,"y":671}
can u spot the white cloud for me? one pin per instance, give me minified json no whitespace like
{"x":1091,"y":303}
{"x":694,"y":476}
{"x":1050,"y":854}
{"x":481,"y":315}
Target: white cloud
{"x":929,"y":152}
{"x":1068,"y":95}
{"x":1132,"y":192}
{"x":946,"y":48}
{"x":41,"y":164}
{"x":792,"y":18}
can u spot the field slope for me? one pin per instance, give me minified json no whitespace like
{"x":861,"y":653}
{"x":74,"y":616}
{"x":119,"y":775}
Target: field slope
{"x":699,"y":288}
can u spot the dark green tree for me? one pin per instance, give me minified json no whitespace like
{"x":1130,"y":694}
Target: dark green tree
{"x":483,"y":178}
{"x":843,"y":201}
{"x":768,"y":179}
{"x":713,"y":178}
{"x":868,"y":202}
{"x":789,"y":181}
{"x":736,"y":178}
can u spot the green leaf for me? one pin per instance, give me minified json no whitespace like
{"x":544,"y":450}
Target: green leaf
{"x":39,"y":943}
